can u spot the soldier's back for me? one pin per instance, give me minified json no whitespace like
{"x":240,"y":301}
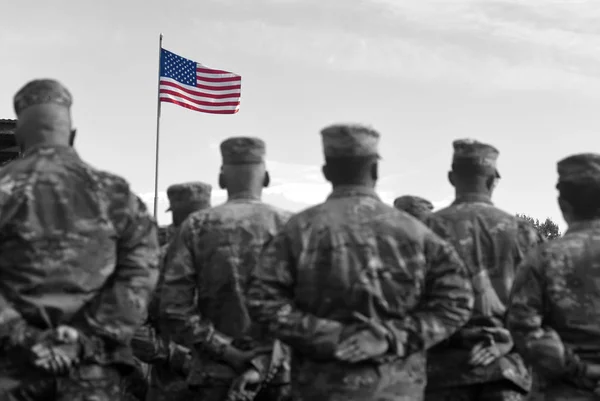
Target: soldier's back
{"x":226,"y":242}
{"x":492,"y":243}
{"x":355,"y":254}
{"x":487,"y":238}
{"x":59,"y":221}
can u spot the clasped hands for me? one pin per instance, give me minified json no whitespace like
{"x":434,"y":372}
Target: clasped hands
{"x":369,"y":340}
{"x":56,"y":351}
{"x":496,"y":343}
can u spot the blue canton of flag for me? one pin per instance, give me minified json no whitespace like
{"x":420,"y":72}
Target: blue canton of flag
{"x":178,"y":68}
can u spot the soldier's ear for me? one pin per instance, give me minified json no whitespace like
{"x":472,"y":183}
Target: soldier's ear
{"x":222,"y":182}
{"x":451,"y":178}
{"x":325,"y":171}
{"x":375,"y":171}
{"x":492,"y":183}
{"x":266,"y":179}
{"x":72,"y":137}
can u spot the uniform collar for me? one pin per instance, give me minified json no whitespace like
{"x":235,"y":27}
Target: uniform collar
{"x":346,"y":191}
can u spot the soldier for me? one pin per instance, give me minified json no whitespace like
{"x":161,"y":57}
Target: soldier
{"x":356,"y":288}
{"x":78,"y":262}
{"x":553,"y":313}
{"x":170,"y":361}
{"x":414,"y":205}
{"x":478,"y":362}
{"x":206,"y":271}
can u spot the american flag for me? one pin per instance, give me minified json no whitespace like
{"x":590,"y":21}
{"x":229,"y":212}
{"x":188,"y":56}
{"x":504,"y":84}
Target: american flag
{"x":194,"y":86}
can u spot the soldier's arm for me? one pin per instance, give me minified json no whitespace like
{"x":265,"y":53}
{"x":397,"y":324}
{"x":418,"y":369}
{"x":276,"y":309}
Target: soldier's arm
{"x":269,"y":301}
{"x":148,"y":346}
{"x":121,"y":305}
{"x":177,"y":307}
{"x":539,"y":345}
{"x":13,"y":327}
{"x":446,"y":303}
{"x":151,"y":348}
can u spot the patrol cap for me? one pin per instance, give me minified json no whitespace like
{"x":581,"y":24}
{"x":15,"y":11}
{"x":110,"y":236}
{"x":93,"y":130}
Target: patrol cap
{"x":42,"y":91}
{"x":188,"y":194}
{"x":243,"y":150}
{"x":583,"y":168}
{"x":477,"y":155}
{"x":413,"y":205}
{"x":350,"y":140}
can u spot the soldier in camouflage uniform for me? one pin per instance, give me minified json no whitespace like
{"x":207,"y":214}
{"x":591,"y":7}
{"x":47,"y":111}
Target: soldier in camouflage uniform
{"x":554,"y":313}
{"x":414,"y":205}
{"x":78,"y":262}
{"x":478,"y":362}
{"x":170,"y":361}
{"x":358,"y":289}
{"x":206,"y":271}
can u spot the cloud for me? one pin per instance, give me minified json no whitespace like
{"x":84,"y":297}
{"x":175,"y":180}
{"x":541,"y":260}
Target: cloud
{"x":487,"y":45}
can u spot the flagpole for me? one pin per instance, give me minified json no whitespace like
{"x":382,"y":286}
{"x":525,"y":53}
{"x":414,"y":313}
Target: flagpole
{"x":157,"y":131}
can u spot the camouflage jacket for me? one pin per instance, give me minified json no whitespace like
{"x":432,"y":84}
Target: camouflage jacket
{"x":148,"y":344}
{"x":492,"y":243}
{"x":556,"y":296}
{"x":355,"y":254}
{"x":206,"y":273}
{"x":78,"y":248}
{"x":165,"y":234}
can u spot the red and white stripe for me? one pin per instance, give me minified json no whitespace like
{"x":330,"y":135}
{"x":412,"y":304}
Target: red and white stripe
{"x":216,"y":91}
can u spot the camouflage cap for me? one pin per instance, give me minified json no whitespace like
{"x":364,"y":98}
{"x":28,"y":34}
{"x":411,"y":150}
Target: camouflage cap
{"x":42,"y":91}
{"x":471,"y":153}
{"x":583,"y":168}
{"x":243,"y":150}
{"x":188,"y":194}
{"x":350,"y":140}
{"x":413,"y":204}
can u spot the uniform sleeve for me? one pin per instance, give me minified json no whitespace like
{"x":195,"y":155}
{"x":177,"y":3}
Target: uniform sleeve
{"x":8,"y":318}
{"x":178,"y":310}
{"x":121,"y":305}
{"x":539,"y":345}
{"x":446,"y":305}
{"x":148,"y":346}
{"x":528,"y":237}
{"x":270,"y":303}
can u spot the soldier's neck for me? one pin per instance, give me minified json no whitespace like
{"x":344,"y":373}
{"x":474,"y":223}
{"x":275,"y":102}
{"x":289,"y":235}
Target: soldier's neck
{"x":474,"y":193}
{"x":252,"y":194}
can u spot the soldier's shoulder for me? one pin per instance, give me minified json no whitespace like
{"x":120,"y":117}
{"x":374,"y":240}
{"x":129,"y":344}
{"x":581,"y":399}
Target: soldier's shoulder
{"x":308,"y":215}
{"x":108,"y":179}
{"x":277,"y":211}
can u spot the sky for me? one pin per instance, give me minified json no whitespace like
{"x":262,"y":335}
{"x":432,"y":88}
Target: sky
{"x":522,"y":75}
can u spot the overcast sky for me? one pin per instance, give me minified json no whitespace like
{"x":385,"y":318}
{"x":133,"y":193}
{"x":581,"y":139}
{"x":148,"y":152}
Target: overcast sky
{"x":521,"y":75}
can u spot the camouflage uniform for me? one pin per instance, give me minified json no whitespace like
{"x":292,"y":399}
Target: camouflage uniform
{"x":415,"y":206}
{"x":207,"y":268}
{"x":492,"y":243}
{"x":165,"y":233}
{"x":79,"y":249}
{"x":554,"y":305}
{"x":354,"y":255}
{"x":169,"y":360}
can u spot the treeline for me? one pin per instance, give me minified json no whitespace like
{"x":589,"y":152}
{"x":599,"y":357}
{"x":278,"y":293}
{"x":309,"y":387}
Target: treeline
{"x":547,"y":228}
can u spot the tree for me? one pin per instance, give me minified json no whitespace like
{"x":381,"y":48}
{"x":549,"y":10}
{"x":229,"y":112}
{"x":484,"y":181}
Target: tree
{"x":548,"y":228}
